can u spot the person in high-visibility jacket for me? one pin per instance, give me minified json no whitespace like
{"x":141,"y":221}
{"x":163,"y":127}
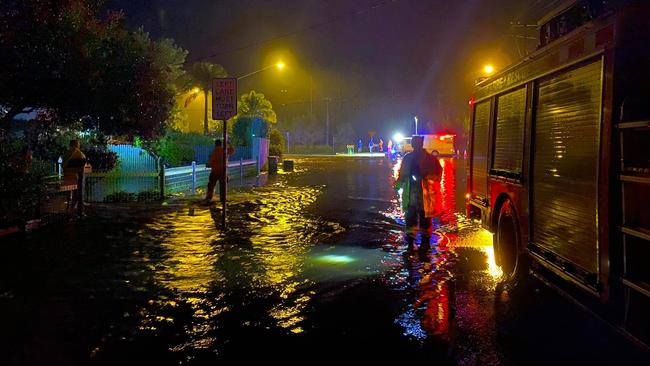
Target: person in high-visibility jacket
{"x":74,"y":161}
{"x":419,"y":180}
{"x":216,"y":164}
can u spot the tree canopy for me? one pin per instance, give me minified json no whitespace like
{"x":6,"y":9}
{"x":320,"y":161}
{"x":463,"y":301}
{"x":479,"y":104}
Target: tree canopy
{"x":200,"y":75}
{"x":255,"y":105}
{"x":61,"y":56}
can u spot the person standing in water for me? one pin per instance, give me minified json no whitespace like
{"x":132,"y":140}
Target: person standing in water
{"x":419,"y":179}
{"x":216,"y":164}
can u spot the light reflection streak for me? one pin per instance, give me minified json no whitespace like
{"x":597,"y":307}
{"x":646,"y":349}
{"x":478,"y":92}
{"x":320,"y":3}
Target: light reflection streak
{"x":283,"y":241}
{"x":187,"y":268}
{"x":429,"y":269}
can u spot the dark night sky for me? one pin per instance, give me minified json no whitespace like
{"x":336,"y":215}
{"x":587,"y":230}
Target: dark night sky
{"x":382,"y":60}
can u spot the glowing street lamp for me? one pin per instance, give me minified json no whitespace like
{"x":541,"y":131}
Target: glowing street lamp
{"x":488,"y":69}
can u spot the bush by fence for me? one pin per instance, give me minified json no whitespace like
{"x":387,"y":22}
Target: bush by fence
{"x":177,"y":149}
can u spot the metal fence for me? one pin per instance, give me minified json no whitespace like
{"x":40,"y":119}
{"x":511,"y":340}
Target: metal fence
{"x":133,"y":159}
{"x":119,"y":186}
{"x":139,"y":176}
{"x":136,"y":178}
{"x":193,"y":177}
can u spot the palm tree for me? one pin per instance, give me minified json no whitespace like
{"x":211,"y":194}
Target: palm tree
{"x":255,"y":105}
{"x":200,"y":75}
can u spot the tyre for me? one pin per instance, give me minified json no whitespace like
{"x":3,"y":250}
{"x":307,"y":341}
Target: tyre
{"x":508,"y":246}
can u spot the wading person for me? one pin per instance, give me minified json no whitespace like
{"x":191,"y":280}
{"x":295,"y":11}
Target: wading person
{"x":216,"y":165}
{"x":74,"y":161}
{"x":419,"y":178}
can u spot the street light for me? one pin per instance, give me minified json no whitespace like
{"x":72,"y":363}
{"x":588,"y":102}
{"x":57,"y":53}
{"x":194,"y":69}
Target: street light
{"x":280,"y":65}
{"x":488,"y":69}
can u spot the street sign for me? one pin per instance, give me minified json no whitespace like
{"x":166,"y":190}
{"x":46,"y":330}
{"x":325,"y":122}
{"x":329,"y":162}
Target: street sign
{"x":224,"y":98}
{"x":224,"y":107}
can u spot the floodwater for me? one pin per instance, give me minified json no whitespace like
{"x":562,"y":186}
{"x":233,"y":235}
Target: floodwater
{"x":313,"y":267}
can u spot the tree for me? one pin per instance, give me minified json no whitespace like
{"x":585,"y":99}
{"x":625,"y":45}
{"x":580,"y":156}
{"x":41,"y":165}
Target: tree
{"x":344,"y":134}
{"x":244,"y":128}
{"x":255,"y":105}
{"x":200,"y":75}
{"x":254,"y":113}
{"x":88,"y":68}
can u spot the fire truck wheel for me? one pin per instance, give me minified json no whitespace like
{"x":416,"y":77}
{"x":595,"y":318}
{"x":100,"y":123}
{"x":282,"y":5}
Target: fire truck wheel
{"x":508,"y":244}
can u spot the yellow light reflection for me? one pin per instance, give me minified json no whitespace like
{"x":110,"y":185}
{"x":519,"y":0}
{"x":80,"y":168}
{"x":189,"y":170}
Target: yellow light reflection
{"x":282,"y":252}
{"x":494,"y":270}
{"x":396,"y":168}
{"x":187,"y":267}
{"x":482,"y":240}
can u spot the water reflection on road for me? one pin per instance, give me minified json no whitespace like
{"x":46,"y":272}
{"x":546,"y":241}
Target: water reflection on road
{"x":279,"y":252}
{"x":313,"y":263}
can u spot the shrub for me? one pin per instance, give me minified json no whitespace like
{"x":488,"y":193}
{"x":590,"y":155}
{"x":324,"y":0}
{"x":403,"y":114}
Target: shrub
{"x":275,"y":150}
{"x":245,"y":128}
{"x":276,"y":138}
{"x":176,"y":148}
{"x":120,"y":197}
{"x":22,"y":190}
{"x":147,"y":196}
{"x":49,"y":142}
{"x":95,"y":147}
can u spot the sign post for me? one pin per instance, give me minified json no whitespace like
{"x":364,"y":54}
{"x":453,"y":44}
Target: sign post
{"x":224,"y":107}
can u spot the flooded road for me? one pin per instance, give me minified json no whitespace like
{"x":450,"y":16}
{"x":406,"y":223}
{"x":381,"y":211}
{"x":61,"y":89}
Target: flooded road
{"x":313,"y":267}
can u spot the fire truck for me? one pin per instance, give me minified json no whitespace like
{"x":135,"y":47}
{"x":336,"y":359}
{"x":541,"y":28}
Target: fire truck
{"x":559,"y":165}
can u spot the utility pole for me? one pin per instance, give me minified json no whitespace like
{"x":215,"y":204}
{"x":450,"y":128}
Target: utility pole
{"x":311,"y":95}
{"x":416,"y":124}
{"x":327,"y":121}
{"x":287,"y":142}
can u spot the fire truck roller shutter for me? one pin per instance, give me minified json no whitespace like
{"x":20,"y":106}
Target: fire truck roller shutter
{"x":509,"y":134}
{"x":480,"y":149}
{"x":565,"y":164}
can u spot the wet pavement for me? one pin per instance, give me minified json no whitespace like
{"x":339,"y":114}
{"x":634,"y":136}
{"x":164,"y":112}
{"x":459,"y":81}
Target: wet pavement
{"x":313,"y":267}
